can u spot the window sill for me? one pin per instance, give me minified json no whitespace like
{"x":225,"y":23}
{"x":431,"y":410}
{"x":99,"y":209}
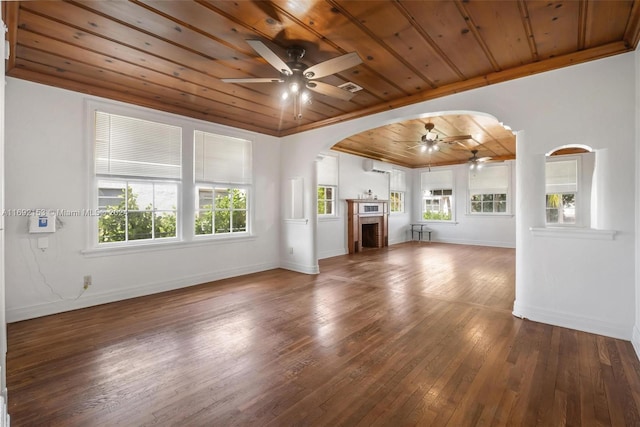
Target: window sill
{"x":163,"y":246}
{"x":573,"y":233}
{"x":303,"y":221}
{"x":328,"y":218}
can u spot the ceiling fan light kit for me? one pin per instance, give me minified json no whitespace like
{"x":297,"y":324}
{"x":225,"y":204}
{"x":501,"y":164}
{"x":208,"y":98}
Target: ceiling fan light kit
{"x":475,"y":165}
{"x":430,"y":146}
{"x":298,"y":77}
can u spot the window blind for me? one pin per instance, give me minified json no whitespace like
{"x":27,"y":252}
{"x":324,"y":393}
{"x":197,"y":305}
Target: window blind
{"x":490,"y":179}
{"x":398,"y":181}
{"x":436,"y":180}
{"x":130,"y":147}
{"x":221,"y":159}
{"x":328,"y":171}
{"x":561,"y":176}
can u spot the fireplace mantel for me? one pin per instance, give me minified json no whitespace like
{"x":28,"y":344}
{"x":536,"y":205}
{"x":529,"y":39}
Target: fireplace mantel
{"x":371,"y":214}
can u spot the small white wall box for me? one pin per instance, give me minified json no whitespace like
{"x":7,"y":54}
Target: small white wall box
{"x":45,"y":223}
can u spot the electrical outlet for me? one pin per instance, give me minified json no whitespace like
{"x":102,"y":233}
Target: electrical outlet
{"x":291,"y":250}
{"x":87,"y":281}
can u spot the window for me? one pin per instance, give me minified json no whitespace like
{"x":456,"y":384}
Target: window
{"x":397,"y":185}
{"x":561,"y":190}
{"x":489,"y":190}
{"x":138,"y":168}
{"x":437,"y":195}
{"x":489,"y":203}
{"x":327,"y":177}
{"x":222,"y":172}
{"x":141,"y":193}
{"x":569,"y":182}
{"x":397,"y":202}
{"x":221,"y":210}
{"x":561,"y":208}
{"x":326,"y":201}
{"x":438,"y":204}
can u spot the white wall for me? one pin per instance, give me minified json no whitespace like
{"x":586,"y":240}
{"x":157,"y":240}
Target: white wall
{"x":583,"y":283}
{"x":47,"y":167}
{"x":483,"y":230}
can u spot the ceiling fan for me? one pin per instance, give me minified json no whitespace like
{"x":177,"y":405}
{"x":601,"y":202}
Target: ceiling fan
{"x":476,"y":162}
{"x":297,"y":76}
{"x":429,"y":141}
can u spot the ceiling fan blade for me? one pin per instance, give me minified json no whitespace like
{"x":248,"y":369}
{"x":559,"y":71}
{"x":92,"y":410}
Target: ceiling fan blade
{"x":329,"y":90}
{"x":333,"y":66}
{"x":270,"y":56}
{"x":254,"y":80}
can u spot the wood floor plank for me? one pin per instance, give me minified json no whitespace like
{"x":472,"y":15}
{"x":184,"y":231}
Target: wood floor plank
{"x":413,"y":334}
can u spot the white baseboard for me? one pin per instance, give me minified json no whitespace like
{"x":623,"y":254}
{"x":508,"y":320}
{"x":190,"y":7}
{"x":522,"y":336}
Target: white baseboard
{"x":300,"y":268}
{"x":572,"y":321}
{"x":88,"y":300}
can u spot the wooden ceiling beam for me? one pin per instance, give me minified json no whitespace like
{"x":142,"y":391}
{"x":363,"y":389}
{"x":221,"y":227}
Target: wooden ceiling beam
{"x":632,"y":32}
{"x":583,"y":14}
{"x":526,"y":23}
{"x":10,"y":12}
{"x":443,"y":56}
{"x":474,"y":30}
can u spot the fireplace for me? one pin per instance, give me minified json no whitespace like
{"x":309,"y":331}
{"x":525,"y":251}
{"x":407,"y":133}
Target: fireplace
{"x":370,"y":235}
{"x":367,"y":224}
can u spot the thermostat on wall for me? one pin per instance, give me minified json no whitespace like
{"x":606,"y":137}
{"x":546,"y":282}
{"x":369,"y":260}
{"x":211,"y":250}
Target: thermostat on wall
{"x":42,"y":223}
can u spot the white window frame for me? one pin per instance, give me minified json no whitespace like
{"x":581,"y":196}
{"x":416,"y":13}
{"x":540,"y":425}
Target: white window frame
{"x":214,"y":231}
{"x":154,"y":210}
{"x":429,"y":193}
{"x":397,"y":186}
{"x":97,"y":177}
{"x":332,"y":201}
{"x":185,"y":233}
{"x":584,"y":176}
{"x":202,"y":183}
{"x":493,"y":202}
{"x":493,"y":191}
{"x":400,"y":197}
{"x":327,"y":176}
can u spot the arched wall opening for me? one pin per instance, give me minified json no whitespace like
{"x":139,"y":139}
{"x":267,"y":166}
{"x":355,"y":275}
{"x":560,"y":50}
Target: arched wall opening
{"x":407,"y":168}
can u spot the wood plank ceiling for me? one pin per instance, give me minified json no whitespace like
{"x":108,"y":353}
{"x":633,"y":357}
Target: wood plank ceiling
{"x":172,"y":55}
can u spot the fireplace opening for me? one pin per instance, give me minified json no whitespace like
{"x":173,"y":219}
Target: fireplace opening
{"x":370,"y":236}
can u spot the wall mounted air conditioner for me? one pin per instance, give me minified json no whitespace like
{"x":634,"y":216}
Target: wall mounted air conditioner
{"x":371,"y":165}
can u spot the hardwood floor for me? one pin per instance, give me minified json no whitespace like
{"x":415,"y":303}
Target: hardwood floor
{"x":415,"y":334}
